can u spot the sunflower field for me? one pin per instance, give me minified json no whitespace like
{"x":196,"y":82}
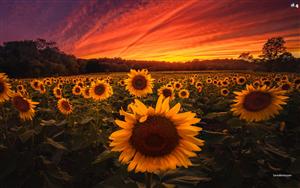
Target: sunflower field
{"x":151,"y":129}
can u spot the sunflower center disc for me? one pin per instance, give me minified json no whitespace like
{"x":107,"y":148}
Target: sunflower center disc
{"x":157,"y":136}
{"x":66,"y":105}
{"x":35,"y":84}
{"x":21,"y":104}
{"x":1,"y":87}
{"x":183,"y":93}
{"x":77,"y":90}
{"x":58,"y":92}
{"x":256,"y":101}
{"x":139,"y":82}
{"x":99,"y":90}
{"x":167,"y":92}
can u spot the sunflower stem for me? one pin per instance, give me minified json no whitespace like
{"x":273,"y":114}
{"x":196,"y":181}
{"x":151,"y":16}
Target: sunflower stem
{"x":148,"y":179}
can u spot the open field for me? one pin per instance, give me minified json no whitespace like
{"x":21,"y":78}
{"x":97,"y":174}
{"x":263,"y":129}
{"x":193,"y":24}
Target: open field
{"x":64,"y":138}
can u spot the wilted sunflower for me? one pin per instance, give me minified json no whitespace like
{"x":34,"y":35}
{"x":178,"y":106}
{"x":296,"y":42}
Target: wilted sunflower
{"x":57,"y":92}
{"x":184,"y":93}
{"x":139,"y":83}
{"x":86,"y":93}
{"x":153,"y":140}
{"x":76,"y":90}
{"x":224,"y":92}
{"x":64,"y":106}
{"x":5,"y":88}
{"x":257,"y":104}
{"x":166,"y":92}
{"x":100,"y":90}
{"x":24,"y":106}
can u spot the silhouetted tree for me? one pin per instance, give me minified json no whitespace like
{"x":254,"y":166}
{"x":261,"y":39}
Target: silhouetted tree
{"x":273,"y":48}
{"x":246,"y":56}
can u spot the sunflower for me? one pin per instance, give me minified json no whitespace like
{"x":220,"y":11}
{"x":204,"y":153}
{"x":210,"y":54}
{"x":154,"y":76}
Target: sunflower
{"x":166,"y":92}
{"x":139,"y":83}
{"x":241,"y":80}
{"x":64,"y":106}
{"x":198,"y":84}
{"x":208,"y":80}
{"x":177,"y":85}
{"x":121,"y":82}
{"x":76,"y":90}
{"x":35,"y":84}
{"x":286,"y":86}
{"x":225,"y":83}
{"x":256,"y":83}
{"x":57,"y":92}
{"x":199,"y":89}
{"x":24,"y":106}
{"x":153,"y":140}
{"x":100,"y":90}
{"x":257,"y":104}
{"x":184,"y":93}
{"x":5,"y":88}
{"x":20,"y":87}
{"x":224,"y":92}
{"x":42,"y":88}
{"x":86,"y":93}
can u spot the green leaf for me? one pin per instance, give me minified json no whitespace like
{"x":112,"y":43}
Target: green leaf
{"x":55,"y":144}
{"x":107,"y":154}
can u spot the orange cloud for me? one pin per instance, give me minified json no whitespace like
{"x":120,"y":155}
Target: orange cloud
{"x":179,"y":30}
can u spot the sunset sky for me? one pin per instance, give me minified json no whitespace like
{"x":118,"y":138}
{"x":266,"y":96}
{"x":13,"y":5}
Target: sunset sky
{"x":170,"y":30}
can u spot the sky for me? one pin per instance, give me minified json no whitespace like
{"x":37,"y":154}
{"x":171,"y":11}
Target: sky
{"x":164,"y":30}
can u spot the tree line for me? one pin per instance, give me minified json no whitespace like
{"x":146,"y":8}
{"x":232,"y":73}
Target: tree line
{"x":37,"y":58}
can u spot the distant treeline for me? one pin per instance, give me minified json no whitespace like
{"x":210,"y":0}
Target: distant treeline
{"x":37,"y":58}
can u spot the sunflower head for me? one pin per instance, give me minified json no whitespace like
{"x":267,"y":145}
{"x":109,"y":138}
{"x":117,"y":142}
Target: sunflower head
{"x":100,"y":90}
{"x":86,"y":93}
{"x":76,"y":90}
{"x":241,"y":80}
{"x":156,"y":139}
{"x":258,"y":104}
{"x":57,"y":92}
{"x":166,"y":92}
{"x":139,"y":83}
{"x":224,"y":92}
{"x":24,"y":106}
{"x":184,"y":94}
{"x":177,"y":85}
{"x":64,"y":106}
{"x":5,"y":88}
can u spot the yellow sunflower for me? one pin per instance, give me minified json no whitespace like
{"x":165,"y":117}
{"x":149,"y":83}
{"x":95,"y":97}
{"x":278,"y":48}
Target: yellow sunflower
{"x":241,"y":80}
{"x":177,"y":85}
{"x":42,"y":88}
{"x":121,"y":82}
{"x":100,"y":90}
{"x":153,"y":140}
{"x":139,"y":83}
{"x":64,"y":106}
{"x":166,"y":92}
{"x":224,"y":92}
{"x":76,"y":90}
{"x":35,"y":84}
{"x":24,"y":106}
{"x":86,"y":93}
{"x":184,"y":94}
{"x":198,"y":84}
{"x":5,"y":88}
{"x":257,"y":104}
{"x":57,"y":92}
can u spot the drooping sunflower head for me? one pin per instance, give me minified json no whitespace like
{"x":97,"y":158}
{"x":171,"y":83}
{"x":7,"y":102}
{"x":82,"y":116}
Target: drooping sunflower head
{"x":24,"y":106}
{"x":100,"y":90}
{"x":258,"y":104}
{"x":224,"y":92}
{"x":166,"y":92}
{"x":64,"y":106}
{"x":139,"y":83}
{"x":153,"y":140}
{"x":76,"y":90}
{"x":184,"y":94}
{"x":5,"y":88}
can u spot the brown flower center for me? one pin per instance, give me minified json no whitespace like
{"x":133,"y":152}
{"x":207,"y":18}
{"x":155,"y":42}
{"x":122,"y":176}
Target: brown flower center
{"x":285,"y":87}
{"x":139,"y":82}
{"x":77,"y":90}
{"x":167,"y":93}
{"x":2,"y":88}
{"x":157,"y":136}
{"x":241,"y":80}
{"x":183,"y":93}
{"x":58,"y":91}
{"x":256,"y":101}
{"x":177,"y":85}
{"x":99,"y":89}
{"x":225,"y":91}
{"x":21,"y":104}
{"x":35,"y":84}
{"x":66,"y":105}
